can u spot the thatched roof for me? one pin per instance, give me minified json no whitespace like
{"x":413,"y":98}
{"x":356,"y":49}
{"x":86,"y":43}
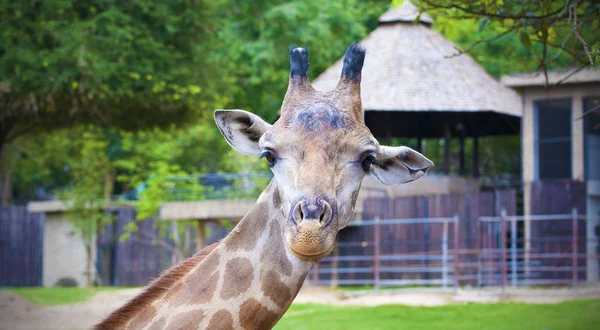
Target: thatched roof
{"x":407,"y":13}
{"x":408,"y":69}
{"x":563,"y":77}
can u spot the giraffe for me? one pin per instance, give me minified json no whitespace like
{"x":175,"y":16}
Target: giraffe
{"x":319,"y":151}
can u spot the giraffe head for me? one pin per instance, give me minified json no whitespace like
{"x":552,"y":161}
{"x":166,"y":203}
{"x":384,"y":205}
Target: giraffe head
{"x":319,"y":151}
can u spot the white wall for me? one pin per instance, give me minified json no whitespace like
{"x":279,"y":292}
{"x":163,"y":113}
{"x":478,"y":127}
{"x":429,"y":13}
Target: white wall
{"x":64,"y":251}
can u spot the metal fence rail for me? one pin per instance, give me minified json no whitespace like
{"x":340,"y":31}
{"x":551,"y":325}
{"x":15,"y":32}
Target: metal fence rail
{"x":381,"y":268}
{"x":553,"y":256}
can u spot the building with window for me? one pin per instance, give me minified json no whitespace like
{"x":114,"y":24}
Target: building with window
{"x":560,"y":129}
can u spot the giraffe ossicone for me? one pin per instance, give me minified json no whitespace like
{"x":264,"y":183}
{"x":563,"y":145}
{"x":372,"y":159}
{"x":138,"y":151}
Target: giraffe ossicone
{"x":319,"y":151}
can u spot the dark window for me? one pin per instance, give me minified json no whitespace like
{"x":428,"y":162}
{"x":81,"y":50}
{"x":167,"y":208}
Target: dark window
{"x":591,"y":124}
{"x":553,"y":138}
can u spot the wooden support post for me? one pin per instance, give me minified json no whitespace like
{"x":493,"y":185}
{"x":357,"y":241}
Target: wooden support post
{"x":461,"y":153}
{"x":446,"y":149}
{"x":420,"y":144}
{"x":377,"y":237}
{"x":575,"y":249}
{"x":388,"y":129}
{"x":200,"y":235}
{"x":335,"y":264}
{"x":475,"y":156}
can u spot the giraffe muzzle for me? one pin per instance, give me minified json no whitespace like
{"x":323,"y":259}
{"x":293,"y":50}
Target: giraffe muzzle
{"x":318,"y":212}
{"x":309,"y":232}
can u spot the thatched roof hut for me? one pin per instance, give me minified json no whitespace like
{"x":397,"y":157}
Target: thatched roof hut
{"x":412,"y":81}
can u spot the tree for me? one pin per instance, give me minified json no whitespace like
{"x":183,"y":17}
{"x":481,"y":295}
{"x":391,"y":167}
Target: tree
{"x":261,"y":33}
{"x":126,"y":64}
{"x":555,"y":33}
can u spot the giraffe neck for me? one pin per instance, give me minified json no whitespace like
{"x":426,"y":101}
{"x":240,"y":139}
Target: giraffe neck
{"x":247,"y":282}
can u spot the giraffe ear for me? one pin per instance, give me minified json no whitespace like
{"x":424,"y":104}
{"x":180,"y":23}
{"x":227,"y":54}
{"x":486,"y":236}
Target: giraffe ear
{"x":241,"y":129}
{"x":398,"y":165}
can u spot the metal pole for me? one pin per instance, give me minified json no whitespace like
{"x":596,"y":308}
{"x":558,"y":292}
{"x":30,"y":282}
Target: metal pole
{"x":376,"y":254}
{"x":480,"y":254}
{"x":503,"y":249}
{"x":456,"y":247}
{"x":593,"y":260}
{"x":513,"y":251}
{"x":575,"y":247}
{"x":445,"y":256}
{"x":316,"y":274}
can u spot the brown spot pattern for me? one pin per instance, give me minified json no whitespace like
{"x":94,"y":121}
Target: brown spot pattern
{"x":275,"y":289}
{"x":189,"y":320}
{"x":222,"y":320}
{"x":253,"y":315}
{"x":237,"y":279}
{"x":300,"y":282}
{"x":276,"y":198}
{"x":274,"y":254}
{"x":354,"y":197}
{"x":198,"y":289}
{"x":210,"y":264}
{"x":155,"y":290}
{"x":245,"y":235}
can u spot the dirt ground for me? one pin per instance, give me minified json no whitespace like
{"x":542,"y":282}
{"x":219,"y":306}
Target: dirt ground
{"x":18,"y":314}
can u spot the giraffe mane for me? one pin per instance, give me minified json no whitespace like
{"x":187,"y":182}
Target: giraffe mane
{"x":154,"y":290}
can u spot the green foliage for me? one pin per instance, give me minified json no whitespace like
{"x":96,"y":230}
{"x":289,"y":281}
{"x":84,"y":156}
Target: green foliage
{"x":516,"y":36}
{"x":138,"y":64}
{"x":567,"y":315}
{"x":259,"y":34}
{"x":129,"y":64}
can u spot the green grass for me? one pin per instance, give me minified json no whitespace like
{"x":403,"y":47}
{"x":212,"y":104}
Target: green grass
{"x":583,"y":314}
{"x":58,"y":296}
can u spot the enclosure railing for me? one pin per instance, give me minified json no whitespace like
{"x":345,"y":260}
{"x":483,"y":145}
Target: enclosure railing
{"x":217,"y":186}
{"x":556,"y":251}
{"x":444,"y":272}
{"x":549,"y":254}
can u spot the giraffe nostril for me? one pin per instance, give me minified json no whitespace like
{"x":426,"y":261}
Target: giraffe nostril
{"x":297,"y":214}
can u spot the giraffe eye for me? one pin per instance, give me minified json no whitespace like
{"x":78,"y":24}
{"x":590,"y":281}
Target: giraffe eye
{"x":269,"y":156}
{"x":368,"y":161}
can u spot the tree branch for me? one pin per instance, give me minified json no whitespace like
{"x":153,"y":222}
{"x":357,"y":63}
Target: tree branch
{"x":496,"y":37}
{"x":490,"y":14}
{"x":586,"y":46}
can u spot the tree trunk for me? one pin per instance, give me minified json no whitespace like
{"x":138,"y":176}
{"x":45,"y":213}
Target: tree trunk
{"x":6,"y":173}
{"x":109,"y":181}
{"x":90,"y":264}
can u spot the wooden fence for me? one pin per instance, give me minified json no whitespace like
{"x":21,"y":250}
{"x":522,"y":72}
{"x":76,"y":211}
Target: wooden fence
{"x":21,"y":247}
{"x":137,"y":260}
